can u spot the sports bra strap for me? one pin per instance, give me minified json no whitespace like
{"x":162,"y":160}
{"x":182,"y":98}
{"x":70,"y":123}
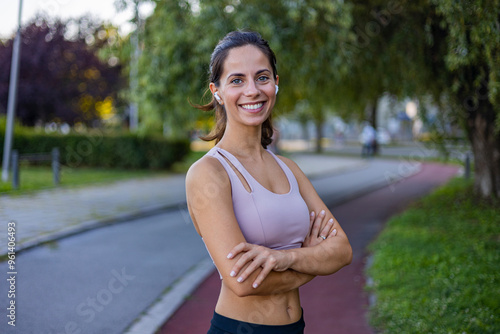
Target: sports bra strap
{"x":239,"y":167}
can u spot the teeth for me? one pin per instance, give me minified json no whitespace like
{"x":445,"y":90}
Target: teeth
{"x":252,"y":106}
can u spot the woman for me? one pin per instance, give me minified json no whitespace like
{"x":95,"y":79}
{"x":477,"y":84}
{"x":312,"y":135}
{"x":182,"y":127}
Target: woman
{"x":251,"y":207}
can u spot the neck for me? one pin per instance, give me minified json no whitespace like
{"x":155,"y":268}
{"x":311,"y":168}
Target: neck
{"x":243,"y":141}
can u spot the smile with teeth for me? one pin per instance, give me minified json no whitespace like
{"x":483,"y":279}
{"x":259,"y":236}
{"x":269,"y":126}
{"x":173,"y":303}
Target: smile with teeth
{"x":252,"y":106}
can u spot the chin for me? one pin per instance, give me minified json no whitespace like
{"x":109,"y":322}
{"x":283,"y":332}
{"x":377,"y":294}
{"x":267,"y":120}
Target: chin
{"x":255,"y":121}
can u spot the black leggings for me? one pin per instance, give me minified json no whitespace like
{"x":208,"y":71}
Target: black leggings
{"x":224,"y":325}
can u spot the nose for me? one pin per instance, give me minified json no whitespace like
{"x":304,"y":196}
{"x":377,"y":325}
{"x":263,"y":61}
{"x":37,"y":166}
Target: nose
{"x":252,"y":89}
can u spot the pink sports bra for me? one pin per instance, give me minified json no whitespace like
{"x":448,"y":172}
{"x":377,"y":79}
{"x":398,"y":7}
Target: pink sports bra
{"x":277,"y":221}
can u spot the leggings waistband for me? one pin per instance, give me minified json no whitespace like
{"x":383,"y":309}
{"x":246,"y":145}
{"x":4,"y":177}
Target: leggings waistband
{"x":225,"y":325}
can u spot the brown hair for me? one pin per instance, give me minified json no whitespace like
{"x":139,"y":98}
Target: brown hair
{"x":233,"y":40}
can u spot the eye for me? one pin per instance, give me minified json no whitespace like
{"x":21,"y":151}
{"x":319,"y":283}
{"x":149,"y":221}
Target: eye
{"x":263,"y":78}
{"x":236,"y":81}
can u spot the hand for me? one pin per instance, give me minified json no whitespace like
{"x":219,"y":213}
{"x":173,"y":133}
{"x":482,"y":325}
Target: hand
{"x":255,"y":257}
{"x":315,"y":237}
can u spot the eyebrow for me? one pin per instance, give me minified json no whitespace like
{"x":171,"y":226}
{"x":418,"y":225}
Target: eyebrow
{"x":242,"y":75}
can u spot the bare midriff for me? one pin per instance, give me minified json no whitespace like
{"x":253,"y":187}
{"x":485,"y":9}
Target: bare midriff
{"x":277,"y":309}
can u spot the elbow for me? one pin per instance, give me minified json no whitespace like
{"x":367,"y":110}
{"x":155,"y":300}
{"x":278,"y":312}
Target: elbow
{"x":348,"y":255}
{"x":242,"y":291}
{"x":239,"y":289}
{"x":346,"y":251}
{"x":343,"y":258}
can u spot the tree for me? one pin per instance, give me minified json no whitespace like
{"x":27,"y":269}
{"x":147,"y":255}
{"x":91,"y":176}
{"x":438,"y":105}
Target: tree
{"x":171,"y":69}
{"x":470,"y":30}
{"x":449,"y":51}
{"x":61,"y":77}
{"x":459,"y":64}
{"x":444,"y":51}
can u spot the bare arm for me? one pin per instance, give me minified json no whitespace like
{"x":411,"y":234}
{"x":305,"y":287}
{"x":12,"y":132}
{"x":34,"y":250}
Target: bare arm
{"x":208,"y":192}
{"x":328,"y":256}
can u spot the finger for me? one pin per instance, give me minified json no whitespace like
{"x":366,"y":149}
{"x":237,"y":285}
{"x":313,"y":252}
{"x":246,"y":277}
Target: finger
{"x":241,"y":247}
{"x":326,"y":230}
{"x":334,"y":233}
{"x":317,"y":223}
{"x":242,"y":261}
{"x":262,"y":275}
{"x":311,"y":221}
{"x":257,"y":263}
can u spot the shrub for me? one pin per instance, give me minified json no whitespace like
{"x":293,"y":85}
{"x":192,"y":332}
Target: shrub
{"x":97,"y":149}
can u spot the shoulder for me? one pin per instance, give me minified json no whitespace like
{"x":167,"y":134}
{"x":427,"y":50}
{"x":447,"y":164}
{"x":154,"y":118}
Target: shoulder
{"x":305,"y":186}
{"x":297,"y":172}
{"x":206,"y":170}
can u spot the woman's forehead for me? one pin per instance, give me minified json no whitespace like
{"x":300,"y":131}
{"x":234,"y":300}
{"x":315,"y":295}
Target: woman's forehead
{"x":245,"y":59}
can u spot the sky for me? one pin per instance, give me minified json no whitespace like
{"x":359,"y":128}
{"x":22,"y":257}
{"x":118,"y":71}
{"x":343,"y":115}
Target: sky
{"x":102,"y":9}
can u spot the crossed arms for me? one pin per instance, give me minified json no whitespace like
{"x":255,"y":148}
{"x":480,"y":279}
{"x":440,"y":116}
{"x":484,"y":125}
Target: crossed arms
{"x":249,"y":269}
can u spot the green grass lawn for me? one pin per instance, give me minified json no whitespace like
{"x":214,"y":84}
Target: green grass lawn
{"x":40,"y":177}
{"x":34,"y":178}
{"x":436,"y":266}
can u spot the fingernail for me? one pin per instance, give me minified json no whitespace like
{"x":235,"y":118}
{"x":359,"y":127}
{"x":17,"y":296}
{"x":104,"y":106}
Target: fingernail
{"x":335,"y":231}
{"x":322,"y":212}
{"x":255,"y":285}
{"x":230,"y":255}
{"x":240,"y":279}
{"x":331,"y":220}
{"x":232,"y":274}
{"x":312,"y":213}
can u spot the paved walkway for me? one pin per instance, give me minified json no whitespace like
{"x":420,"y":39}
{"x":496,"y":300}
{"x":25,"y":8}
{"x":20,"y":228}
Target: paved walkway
{"x":51,"y":214}
{"x":336,"y":303}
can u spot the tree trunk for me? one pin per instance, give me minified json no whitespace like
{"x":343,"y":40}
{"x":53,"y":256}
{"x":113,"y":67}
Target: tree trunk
{"x":319,"y":135}
{"x":373,"y":121}
{"x":485,"y":145}
{"x":305,"y":132}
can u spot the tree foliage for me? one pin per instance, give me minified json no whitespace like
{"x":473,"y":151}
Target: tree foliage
{"x":61,"y":77}
{"x":179,"y":39}
{"x":456,"y":61}
{"x":341,"y":56}
{"x":444,"y":51}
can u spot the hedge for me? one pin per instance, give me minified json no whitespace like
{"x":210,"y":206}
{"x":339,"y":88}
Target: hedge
{"x":104,"y":150}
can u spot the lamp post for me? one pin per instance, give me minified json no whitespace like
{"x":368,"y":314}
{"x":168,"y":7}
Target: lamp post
{"x":134,"y":70}
{"x":11,"y":105}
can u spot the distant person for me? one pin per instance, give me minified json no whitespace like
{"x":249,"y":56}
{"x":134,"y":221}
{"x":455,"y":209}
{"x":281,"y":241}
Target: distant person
{"x":265,"y":227}
{"x":368,"y":138}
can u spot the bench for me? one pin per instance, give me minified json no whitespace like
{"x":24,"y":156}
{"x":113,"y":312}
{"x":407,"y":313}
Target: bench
{"x":35,"y":157}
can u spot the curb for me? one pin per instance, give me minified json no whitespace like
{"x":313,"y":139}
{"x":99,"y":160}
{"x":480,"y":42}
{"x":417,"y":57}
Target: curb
{"x":159,"y":312}
{"x":94,"y":224}
{"x":370,"y":283}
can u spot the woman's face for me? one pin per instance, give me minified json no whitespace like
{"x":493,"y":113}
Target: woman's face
{"x":247,"y":86}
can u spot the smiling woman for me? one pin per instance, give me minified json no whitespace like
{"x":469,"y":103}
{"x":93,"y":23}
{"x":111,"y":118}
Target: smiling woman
{"x":217,"y":64}
{"x":252,"y":207}
{"x":247,"y":95}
